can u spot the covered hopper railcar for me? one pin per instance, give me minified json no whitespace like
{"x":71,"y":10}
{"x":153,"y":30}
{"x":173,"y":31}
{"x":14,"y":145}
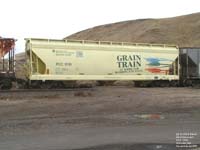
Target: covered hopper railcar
{"x":64,"y":60}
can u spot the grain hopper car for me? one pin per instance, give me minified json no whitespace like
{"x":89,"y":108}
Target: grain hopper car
{"x":69,"y":60}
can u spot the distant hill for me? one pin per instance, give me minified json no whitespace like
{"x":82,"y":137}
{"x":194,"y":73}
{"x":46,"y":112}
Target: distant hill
{"x":182,"y":30}
{"x":20,"y":65}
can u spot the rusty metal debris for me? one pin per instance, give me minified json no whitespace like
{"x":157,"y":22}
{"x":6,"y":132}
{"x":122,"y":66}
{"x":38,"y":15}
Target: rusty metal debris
{"x":6,"y":44}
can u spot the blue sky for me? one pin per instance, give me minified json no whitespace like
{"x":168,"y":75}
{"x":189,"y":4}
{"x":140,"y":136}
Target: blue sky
{"x":59,"y":18}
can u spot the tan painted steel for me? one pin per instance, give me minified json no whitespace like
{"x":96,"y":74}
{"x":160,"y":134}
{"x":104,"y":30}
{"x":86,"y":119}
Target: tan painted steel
{"x":100,"y":60}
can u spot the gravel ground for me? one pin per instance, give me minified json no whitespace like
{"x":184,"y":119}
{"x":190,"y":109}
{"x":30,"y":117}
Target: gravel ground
{"x":107,"y":118}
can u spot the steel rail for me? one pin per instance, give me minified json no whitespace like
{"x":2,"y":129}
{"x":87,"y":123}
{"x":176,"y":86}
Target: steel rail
{"x":46,"y":90}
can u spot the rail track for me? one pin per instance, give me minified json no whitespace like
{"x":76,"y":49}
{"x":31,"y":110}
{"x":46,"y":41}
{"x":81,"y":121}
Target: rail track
{"x":45,"y":90}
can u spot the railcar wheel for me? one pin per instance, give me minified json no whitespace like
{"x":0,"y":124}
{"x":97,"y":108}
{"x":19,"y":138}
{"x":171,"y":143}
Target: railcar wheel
{"x":164,"y":84}
{"x":174,"y":83}
{"x":56,"y":84}
{"x":187,"y":82}
{"x":70,"y":84}
{"x":137,"y":83}
{"x":143,"y":83}
{"x":5,"y":84}
{"x":34,"y":84}
{"x":156,"y":83}
{"x":105,"y":83}
{"x":196,"y":83}
{"x":46,"y":85}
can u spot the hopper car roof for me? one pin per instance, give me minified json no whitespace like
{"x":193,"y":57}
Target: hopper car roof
{"x":114,"y":43}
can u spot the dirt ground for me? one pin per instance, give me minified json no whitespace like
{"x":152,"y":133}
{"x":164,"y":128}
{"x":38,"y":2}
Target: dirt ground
{"x":114,"y":117}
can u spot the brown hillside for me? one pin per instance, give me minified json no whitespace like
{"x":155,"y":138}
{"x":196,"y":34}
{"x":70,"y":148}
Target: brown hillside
{"x":182,"y":30}
{"x":20,"y":65}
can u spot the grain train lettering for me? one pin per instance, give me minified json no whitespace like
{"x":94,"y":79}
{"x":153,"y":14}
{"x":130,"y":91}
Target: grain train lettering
{"x":129,"y":61}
